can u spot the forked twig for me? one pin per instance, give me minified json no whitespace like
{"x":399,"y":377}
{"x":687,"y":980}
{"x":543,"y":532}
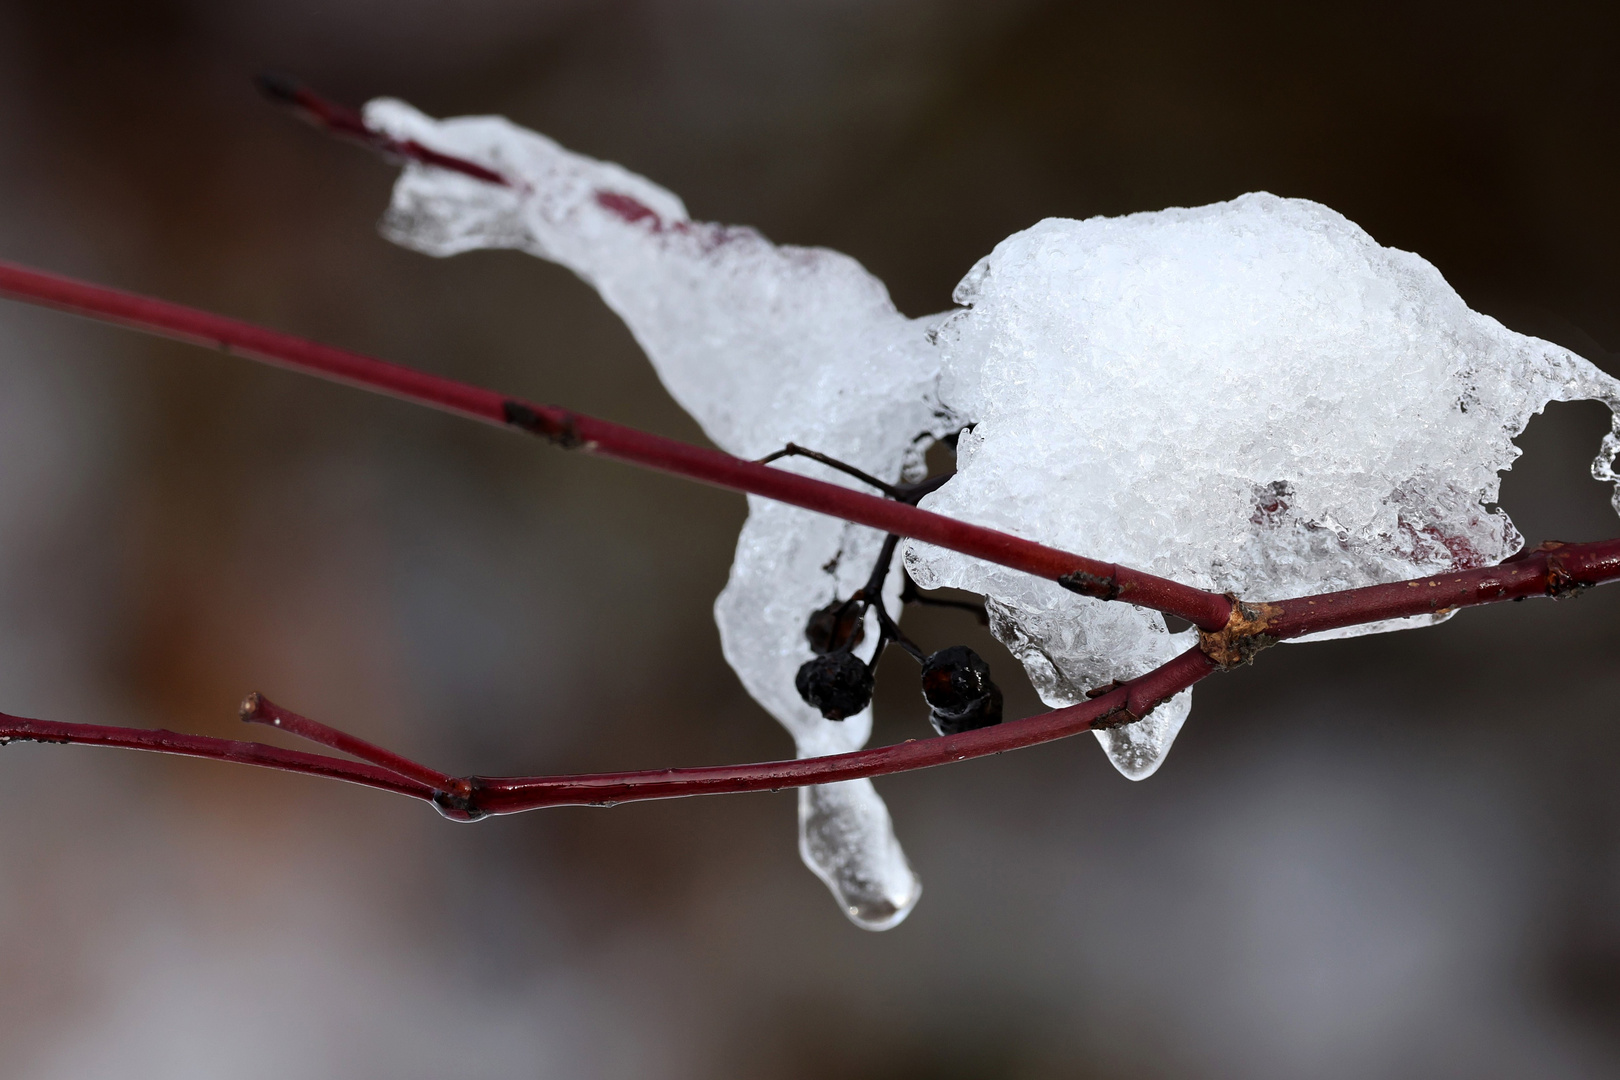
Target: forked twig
{"x":258,"y":709}
{"x":1555,"y":570}
{"x":475,"y":797}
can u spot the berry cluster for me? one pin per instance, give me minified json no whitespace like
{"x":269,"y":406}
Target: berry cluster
{"x":955,"y":680}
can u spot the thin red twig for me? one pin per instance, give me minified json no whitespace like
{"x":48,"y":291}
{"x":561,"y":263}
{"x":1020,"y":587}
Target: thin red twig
{"x":1555,"y":570}
{"x":471,"y":798}
{"x":576,"y":431}
{"x":348,"y":123}
{"x":258,"y":709}
{"x":1124,"y":703}
{"x":22,"y":729}
{"x":1552,"y":569}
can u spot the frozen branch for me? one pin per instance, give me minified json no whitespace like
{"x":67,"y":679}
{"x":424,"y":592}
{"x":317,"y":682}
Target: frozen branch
{"x":575,"y":431}
{"x":347,"y":123}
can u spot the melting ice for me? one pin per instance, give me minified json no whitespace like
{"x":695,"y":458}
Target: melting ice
{"x":1253,"y":397}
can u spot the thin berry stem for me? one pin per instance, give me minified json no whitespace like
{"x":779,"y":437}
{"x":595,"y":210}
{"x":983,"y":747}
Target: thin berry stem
{"x":910,"y":594}
{"x":575,"y":431}
{"x":870,"y":596}
{"x":795,"y":450}
{"x":910,"y":494}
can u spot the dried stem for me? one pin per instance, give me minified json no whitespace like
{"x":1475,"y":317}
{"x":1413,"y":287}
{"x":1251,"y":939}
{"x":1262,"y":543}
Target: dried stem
{"x":910,"y":594}
{"x":575,"y":431}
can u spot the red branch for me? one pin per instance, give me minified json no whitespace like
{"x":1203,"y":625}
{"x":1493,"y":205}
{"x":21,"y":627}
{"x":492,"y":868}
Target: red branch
{"x":258,"y":709}
{"x":1230,"y":635}
{"x":471,"y":798}
{"x":22,"y":729}
{"x":1554,"y":569}
{"x":348,"y":123}
{"x":576,"y":431}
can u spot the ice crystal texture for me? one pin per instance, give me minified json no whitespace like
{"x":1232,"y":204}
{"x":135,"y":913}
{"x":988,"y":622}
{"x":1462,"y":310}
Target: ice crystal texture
{"x":763,"y":345}
{"x":1253,"y":397}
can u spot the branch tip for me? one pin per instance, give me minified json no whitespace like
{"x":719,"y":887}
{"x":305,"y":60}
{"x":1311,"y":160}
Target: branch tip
{"x":556,"y":425}
{"x":282,"y":89}
{"x":459,"y":803}
{"x":251,"y":711}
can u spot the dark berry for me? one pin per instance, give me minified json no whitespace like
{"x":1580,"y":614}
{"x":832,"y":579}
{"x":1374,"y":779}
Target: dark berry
{"x":960,"y":695}
{"x":838,"y":684}
{"x":837,"y":627}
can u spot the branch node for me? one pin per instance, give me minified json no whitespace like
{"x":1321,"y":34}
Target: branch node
{"x":1242,"y":637}
{"x":460,"y":803}
{"x":1561,"y":584}
{"x":1097,"y":585}
{"x":1117,"y":716}
{"x":560,"y":431}
{"x":1120,"y":714}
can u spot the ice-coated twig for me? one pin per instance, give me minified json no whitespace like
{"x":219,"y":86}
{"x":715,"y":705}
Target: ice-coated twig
{"x":575,"y":431}
{"x":347,"y":123}
{"x":1554,"y":570}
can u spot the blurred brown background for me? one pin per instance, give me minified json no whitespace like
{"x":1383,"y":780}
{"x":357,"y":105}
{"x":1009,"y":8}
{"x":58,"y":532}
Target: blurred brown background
{"x":1392,"y":857}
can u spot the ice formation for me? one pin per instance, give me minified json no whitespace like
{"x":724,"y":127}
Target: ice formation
{"x":763,"y":345}
{"x":1253,"y":397}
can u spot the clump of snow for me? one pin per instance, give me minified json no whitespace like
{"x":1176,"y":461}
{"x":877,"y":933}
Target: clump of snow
{"x":1253,"y":397}
{"x":763,"y":345}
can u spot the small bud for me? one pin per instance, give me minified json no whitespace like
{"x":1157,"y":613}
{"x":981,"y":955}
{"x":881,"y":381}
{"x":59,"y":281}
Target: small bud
{"x":961,"y":697}
{"x":838,"y":627}
{"x":838,"y":684}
